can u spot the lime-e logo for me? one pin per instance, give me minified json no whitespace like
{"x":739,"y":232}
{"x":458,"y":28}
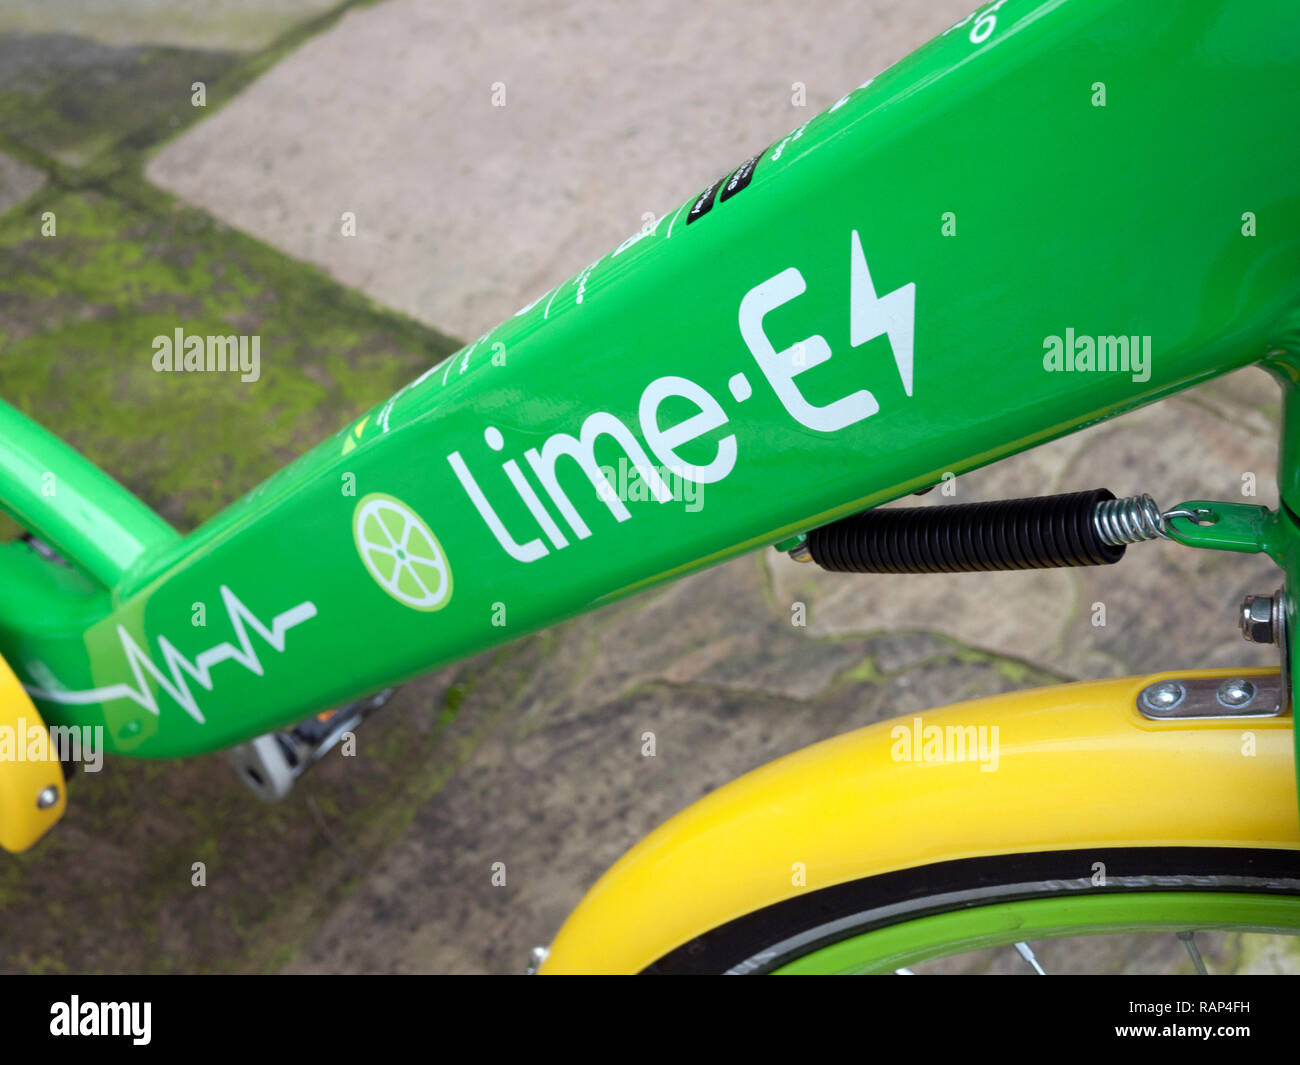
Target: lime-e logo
{"x":871,"y":315}
{"x":401,"y":553}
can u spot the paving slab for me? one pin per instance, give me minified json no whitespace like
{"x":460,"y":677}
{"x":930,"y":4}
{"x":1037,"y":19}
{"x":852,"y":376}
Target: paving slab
{"x":78,"y":79}
{"x":236,"y":25}
{"x":466,"y":211}
{"x":79,"y":312}
{"x":71,"y":97}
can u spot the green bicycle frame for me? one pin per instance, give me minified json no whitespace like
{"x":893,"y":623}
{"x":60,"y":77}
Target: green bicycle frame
{"x":1053,"y":213}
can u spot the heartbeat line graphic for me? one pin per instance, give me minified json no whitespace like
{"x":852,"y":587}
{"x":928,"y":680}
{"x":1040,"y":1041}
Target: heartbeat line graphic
{"x":178,"y":665}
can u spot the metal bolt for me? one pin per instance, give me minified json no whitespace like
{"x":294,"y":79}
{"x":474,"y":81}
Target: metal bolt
{"x":1165,"y":695}
{"x":47,"y":798}
{"x":1236,"y":692}
{"x":1259,"y":618}
{"x":802,"y":553}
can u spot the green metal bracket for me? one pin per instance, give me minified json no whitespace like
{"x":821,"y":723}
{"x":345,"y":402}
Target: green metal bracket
{"x":1237,"y":527}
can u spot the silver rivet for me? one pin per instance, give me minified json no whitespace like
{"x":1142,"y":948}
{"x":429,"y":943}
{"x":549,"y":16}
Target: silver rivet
{"x":1236,"y":692}
{"x":1165,"y":695}
{"x":47,"y":798}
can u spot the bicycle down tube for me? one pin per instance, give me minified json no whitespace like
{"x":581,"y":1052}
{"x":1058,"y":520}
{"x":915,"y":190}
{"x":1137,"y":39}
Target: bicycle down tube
{"x":903,"y":286}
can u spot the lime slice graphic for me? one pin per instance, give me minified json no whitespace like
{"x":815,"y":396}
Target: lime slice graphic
{"x":401,"y":553}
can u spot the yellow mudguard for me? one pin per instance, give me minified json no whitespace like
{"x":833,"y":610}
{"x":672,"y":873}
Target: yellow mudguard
{"x":1056,"y":769}
{"x":32,"y":793}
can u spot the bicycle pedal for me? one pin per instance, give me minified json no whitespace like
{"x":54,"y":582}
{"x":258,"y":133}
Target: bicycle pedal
{"x":270,"y":765}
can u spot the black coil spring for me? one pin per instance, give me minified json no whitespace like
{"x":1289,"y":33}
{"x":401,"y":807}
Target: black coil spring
{"x":1009,"y":534}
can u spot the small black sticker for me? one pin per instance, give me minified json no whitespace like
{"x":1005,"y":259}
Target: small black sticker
{"x":704,"y":204}
{"x":741,"y":178}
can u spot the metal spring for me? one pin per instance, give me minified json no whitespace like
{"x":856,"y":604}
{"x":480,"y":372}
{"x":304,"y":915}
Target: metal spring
{"x":1129,"y":521}
{"x":1008,"y":534}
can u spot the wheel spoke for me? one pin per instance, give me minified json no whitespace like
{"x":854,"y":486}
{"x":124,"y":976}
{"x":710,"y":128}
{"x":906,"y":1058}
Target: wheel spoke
{"x":1028,"y":955}
{"x":1194,"y":952}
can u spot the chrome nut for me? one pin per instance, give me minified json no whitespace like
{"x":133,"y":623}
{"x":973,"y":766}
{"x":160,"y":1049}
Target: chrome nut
{"x":1257,"y":619}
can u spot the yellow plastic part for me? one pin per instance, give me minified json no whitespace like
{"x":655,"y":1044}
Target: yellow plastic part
{"x":28,"y":766}
{"x":1076,"y":766}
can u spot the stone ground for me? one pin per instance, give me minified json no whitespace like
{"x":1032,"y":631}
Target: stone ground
{"x":466,"y":211}
{"x":529,"y":755}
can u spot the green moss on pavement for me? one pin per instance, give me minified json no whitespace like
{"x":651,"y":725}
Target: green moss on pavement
{"x":80,"y":311}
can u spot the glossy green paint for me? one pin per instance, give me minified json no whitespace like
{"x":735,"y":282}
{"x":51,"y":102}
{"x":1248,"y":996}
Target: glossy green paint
{"x":1240,"y":527}
{"x":887,"y":950}
{"x":52,"y":491}
{"x":969,"y":204}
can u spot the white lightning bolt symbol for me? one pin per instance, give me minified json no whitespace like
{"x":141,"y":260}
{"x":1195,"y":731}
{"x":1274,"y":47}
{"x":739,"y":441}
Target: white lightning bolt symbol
{"x":892,"y":315}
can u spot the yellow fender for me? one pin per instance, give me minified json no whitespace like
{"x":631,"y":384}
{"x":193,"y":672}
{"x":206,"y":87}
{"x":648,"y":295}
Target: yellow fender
{"x":28,"y":768}
{"x":1068,"y":767}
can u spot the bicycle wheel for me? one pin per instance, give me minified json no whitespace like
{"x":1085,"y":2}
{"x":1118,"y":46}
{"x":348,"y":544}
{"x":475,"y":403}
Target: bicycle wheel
{"x":899,"y":920}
